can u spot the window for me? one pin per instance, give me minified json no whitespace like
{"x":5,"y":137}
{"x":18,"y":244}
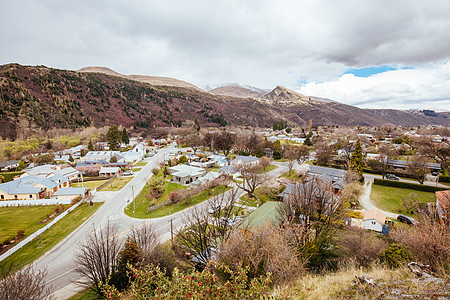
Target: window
{"x":2,"y":197}
{"x":15,"y":196}
{"x":373,"y":222}
{"x":31,"y":196}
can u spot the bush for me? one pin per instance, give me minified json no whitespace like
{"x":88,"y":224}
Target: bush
{"x":176,"y":196}
{"x":407,"y":185}
{"x":155,"y":171}
{"x":183,"y":159}
{"x":394,"y":256}
{"x":443,"y":178}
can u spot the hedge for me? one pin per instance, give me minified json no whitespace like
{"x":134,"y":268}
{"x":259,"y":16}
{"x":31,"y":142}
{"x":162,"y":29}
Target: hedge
{"x":443,"y":178}
{"x":413,"y":186}
{"x":9,"y":176}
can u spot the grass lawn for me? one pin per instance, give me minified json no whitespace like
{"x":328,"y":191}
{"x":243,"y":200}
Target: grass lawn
{"x":53,"y":235}
{"x":10,"y":175}
{"x":389,"y":198}
{"x":141,"y":164}
{"x":117,"y":184}
{"x":173,"y":208}
{"x":270,"y":168}
{"x":86,"y":294}
{"x":90,"y":184}
{"x":141,"y":201}
{"x":24,"y":218}
{"x":136,"y":169}
{"x":294,"y":175}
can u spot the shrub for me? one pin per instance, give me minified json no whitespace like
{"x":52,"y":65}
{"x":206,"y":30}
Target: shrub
{"x":176,"y":196}
{"x":183,"y":159}
{"x":394,"y":256}
{"x":155,"y":171}
{"x":20,"y":233}
{"x":413,"y":186}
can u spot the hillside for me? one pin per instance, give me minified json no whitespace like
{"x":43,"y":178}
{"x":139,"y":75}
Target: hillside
{"x":44,"y":98}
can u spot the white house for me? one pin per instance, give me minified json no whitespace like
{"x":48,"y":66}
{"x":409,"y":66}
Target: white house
{"x":8,"y":165}
{"x":184,"y":174}
{"x":99,"y":155}
{"x":374,"y":219}
{"x":247,"y":161}
{"x":48,"y":171}
{"x":71,"y":193}
{"x":109,"y":171}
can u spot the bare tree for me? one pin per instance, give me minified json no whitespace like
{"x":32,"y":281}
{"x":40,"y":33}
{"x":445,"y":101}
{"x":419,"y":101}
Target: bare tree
{"x":144,"y":236}
{"x":252,"y":177}
{"x":409,"y":202}
{"x":303,"y":154}
{"x":387,"y":155}
{"x":324,"y":154}
{"x":418,"y":168}
{"x":436,"y":151}
{"x":24,"y":284}
{"x":224,"y":141}
{"x":291,"y":154}
{"x":98,"y":257}
{"x":265,"y":162}
{"x":203,"y":231}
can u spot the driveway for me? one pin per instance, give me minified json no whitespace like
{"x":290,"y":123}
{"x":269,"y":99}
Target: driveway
{"x":368,"y":204}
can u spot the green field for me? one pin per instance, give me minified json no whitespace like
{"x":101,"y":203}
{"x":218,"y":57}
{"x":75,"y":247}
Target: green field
{"x":141,"y":164}
{"x":389,"y":198}
{"x":136,"y":169}
{"x":117,"y":184}
{"x":90,"y":184}
{"x":53,"y":235}
{"x":24,"y":218}
{"x":141,"y":201}
{"x":10,"y":175}
{"x":270,"y":168}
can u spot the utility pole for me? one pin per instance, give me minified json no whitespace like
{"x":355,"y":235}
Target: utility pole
{"x":134,"y":205}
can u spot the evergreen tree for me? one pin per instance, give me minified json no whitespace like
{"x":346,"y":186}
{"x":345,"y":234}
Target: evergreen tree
{"x":356,"y":160}
{"x":275,"y":126}
{"x":90,"y":146}
{"x":197,"y":125}
{"x":125,"y":138}
{"x":307,"y":141}
{"x":114,"y":137}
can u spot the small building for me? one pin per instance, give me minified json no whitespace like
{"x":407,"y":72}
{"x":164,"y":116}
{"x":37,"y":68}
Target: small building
{"x":263,"y":215}
{"x":32,"y":187}
{"x":374,"y":219}
{"x":9,"y":165}
{"x":241,"y":161}
{"x":71,"y":193}
{"x":185,"y":174}
{"x":211,"y":176}
{"x":109,"y":171}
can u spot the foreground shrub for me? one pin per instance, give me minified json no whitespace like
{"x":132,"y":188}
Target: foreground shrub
{"x":428,"y":242}
{"x":263,"y":250}
{"x":152,"y":283}
{"x":394,"y":256}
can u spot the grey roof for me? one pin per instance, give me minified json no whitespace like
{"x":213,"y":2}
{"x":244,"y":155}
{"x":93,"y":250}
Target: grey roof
{"x":70,"y":191}
{"x":27,"y":184}
{"x":328,"y":171}
{"x":8,"y":163}
{"x":245,"y":159}
{"x":228,"y":170}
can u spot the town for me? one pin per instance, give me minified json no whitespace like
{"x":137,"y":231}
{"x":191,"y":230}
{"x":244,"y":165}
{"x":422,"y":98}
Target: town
{"x":319,"y":197}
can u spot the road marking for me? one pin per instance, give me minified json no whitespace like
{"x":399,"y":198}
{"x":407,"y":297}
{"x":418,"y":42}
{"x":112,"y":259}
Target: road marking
{"x":60,"y":275}
{"x":125,"y":231}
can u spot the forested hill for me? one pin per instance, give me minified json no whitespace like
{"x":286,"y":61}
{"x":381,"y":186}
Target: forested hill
{"x":41,"y":97}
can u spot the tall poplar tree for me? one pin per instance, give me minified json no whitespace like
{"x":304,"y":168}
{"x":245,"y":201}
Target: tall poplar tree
{"x":356,"y":160}
{"x":114,"y":137}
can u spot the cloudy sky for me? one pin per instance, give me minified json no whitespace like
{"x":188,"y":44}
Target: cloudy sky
{"x":372,"y":54}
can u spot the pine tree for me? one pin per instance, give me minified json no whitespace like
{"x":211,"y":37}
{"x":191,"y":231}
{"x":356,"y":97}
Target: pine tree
{"x":125,"y":138}
{"x":356,"y":160}
{"x":90,"y":146}
{"x":307,"y":141}
{"x":114,"y":137}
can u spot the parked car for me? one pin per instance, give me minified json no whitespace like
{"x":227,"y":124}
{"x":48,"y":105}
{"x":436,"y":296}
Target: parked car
{"x":127,"y":173}
{"x":435,"y":173}
{"x":406,"y":219}
{"x":392,"y":177}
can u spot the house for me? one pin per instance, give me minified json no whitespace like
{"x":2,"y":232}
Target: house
{"x":211,"y":176}
{"x":265,"y":214}
{"x":9,"y":165}
{"x":218,"y":160}
{"x":443,"y":203}
{"x":185,"y":174}
{"x":136,"y":154}
{"x":230,"y":171}
{"x":109,"y":171}
{"x":100,"y":155}
{"x":246,"y":161}
{"x":334,"y":174}
{"x":48,"y":171}
{"x":71,"y":193}
{"x":374,"y":219}
{"x":32,"y":187}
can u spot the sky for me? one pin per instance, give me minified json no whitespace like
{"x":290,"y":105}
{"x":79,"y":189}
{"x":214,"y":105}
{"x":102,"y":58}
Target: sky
{"x":371,"y":54}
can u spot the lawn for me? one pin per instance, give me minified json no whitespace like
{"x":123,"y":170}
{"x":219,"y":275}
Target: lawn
{"x":90,"y":184}
{"x":10,"y":175}
{"x":86,"y":294}
{"x":117,"y":184}
{"x":53,"y":235}
{"x":24,"y":218}
{"x":270,"y":168}
{"x":294,"y":175}
{"x":389,"y":198}
{"x":141,"y":201}
{"x":136,"y":169}
{"x":141,"y":164}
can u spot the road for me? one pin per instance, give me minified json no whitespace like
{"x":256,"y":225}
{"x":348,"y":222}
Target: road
{"x":59,"y":262}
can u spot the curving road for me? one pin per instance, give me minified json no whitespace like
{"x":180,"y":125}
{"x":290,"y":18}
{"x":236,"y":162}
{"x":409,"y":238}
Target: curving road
{"x":59,"y":262}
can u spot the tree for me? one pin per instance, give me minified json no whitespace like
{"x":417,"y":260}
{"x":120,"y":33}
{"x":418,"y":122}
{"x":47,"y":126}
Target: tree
{"x":351,"y":193}
{"x":26,"y":283}
{"x":387,"y":155}
{"x":307,"y":141}
{"x":265,"y":161}
{"x":288,"y":130}
{"x":182,"y":160}
{"x":224,"y":141}
{"x":418,"y":167}
{"x":98,"y":257}
{"x":2,"y":178}
{"x":196,"y":125}
{"x":303,"y":154}
{"x":291,"y":154}
{"x":130,"y":256}
{"x":357,"y":159}
{"x":114,"y":137}
{"x":125,"y":138}
{"x":436,"y":151}
{"x":323,"y":154}
{"x":410,"y":202}
{"x":253,"y":176}
{"x":113,"y":159}
{"x":90,"y":146}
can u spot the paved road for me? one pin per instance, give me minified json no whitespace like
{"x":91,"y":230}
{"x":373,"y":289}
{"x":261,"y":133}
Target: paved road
{"x":430,"y":180}
{"x":59,"y":261}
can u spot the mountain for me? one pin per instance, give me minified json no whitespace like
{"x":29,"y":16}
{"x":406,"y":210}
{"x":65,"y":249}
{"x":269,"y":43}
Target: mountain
{"x":237,"y":90}
{"x":36,"y":99}
{"x":153,"y":80}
